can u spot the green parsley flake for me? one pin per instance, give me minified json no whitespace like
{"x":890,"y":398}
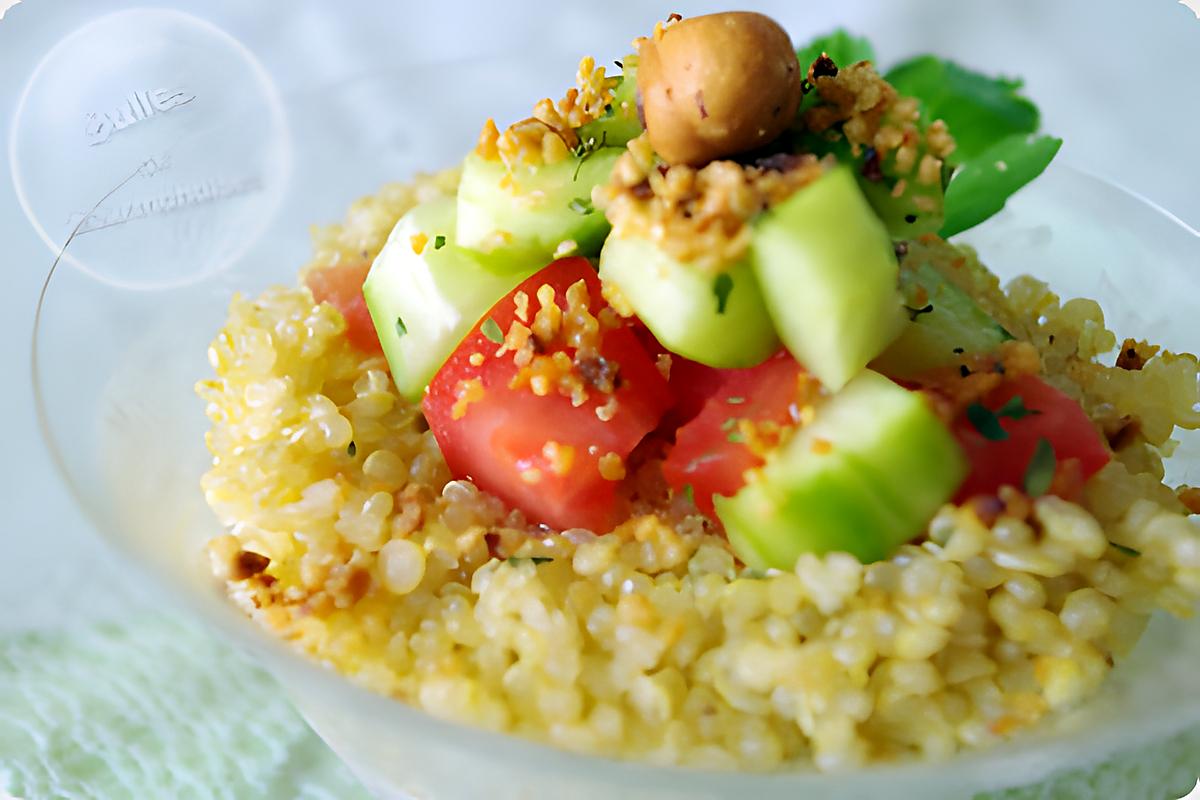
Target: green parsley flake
{"x":581,"y":206}
{"x":986,"y":422}
{"x":736,"y":437}
{"x":491,"y":329}
{"x":1015,"y":409}
{"x":401,"y":328}
{"x":352,"y":449}
{"x":729,"y":424}
{"x":439,"y":242}
{"x":1040,"y":472}
{"x":583,"y":151}
{"x":1129,"y":551}
{"x":689,"y":493}
{"x":735,"y":401}
{"x":535,"y":560}
{"x":722,"y":286}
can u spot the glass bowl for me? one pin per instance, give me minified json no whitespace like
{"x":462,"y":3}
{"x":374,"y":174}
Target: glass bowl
{"x":114,"y":367}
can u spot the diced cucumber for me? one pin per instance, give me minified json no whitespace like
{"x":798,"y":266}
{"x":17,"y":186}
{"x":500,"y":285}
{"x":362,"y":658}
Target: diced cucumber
{"x":523,"y":220}
{"x":953,"y":325}
{"x":909,"y":208}
{"x":916,"y":209}
{"x":829,"y":275}
{"x":719,"y":321}
{"x":866,"y":476}
{"x":623,"y":123}
{"x":423,"y":304}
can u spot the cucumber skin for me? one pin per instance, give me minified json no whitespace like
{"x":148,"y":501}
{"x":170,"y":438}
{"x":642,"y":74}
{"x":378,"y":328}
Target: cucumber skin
{"x":535,"y":211}
{"x":678,"y":304}
{"x":829,"y":274}
{"x":928,"y":341}
{"x":440,"y":294}
{"x":891,"y":464}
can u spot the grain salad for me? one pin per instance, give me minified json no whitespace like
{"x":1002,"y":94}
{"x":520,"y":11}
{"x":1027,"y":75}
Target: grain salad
{"x":353,"y":533}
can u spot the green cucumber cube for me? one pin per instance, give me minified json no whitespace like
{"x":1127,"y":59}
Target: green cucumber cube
{"x":829,"y":275}
{"x":424,"y":304}
{"x":721,"y":321}
{"x":864,"y":477}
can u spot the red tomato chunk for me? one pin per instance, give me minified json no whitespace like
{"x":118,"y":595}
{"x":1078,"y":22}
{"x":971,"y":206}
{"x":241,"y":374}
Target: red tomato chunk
{"x":341,"y":287}
{"x":713,"y":452}
{"x":1079,"y":448}
{"x":547,"y":420}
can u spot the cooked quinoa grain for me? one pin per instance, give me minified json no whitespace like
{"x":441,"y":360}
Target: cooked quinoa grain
{"x":651,"y":642}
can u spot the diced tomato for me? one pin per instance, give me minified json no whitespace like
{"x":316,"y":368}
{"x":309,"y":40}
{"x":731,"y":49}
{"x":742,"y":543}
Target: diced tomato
{"x":341,"y":287}
{"x":559,"y":463}
{"x":692,"y":384}
{"x":711,"y":454}
{"x":1079,"y":448}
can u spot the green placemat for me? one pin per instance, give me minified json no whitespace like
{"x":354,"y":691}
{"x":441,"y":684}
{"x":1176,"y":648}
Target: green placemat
{"x":159,"y":709}
{"x":152,"y":709}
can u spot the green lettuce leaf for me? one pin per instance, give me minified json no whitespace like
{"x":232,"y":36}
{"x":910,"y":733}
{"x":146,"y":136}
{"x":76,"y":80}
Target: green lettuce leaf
{"x":981,"y":186}
{"x":843,"y":47}
{"x":979,"y":110}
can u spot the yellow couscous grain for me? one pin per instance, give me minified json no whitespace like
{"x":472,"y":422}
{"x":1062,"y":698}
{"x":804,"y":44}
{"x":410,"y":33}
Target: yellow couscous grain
{"x":650,"y":642}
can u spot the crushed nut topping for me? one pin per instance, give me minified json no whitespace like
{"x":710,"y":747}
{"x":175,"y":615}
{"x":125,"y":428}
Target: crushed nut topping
{"x":550,"y":134}
{"x":952,"y":389}
{"x":465,"y":393}
{"x":247,"y":565}
{"x":543,"y":368}
{"x":872,"y":115}
{"x":698,"y":215}
{"x":1135,"y":354}
{"x":611,"y":466}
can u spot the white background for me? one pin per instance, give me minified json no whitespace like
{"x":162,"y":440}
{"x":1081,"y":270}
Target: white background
{"x":1119,"y":80}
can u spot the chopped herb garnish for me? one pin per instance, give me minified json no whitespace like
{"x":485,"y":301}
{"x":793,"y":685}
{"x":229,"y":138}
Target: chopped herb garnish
{"x":985,"y":421}
{"x":689,"y":493}
{"x":352,"y":449}
{"x":1015,"y":409}
{"x":729,"y":424}
{"x":619,"y":64}
{"x":439,"y":242}
{"x":583,"y":151}
{"x":722,"y":286}
{"x":535,"y":560}
{"x":401,"y":328}
{"x":581,"y":205}
{"x":491,"y":329}
{"x":1040,"y":472}
{"x":913,"y":313}
{"x":735,"y":437}
{"x":735,"y":401}
{"x":1129,"y":551}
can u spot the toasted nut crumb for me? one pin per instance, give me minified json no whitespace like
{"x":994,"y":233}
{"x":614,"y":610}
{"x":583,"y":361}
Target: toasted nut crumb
{"x":612,"y":467}
{"x":247,"y":564}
